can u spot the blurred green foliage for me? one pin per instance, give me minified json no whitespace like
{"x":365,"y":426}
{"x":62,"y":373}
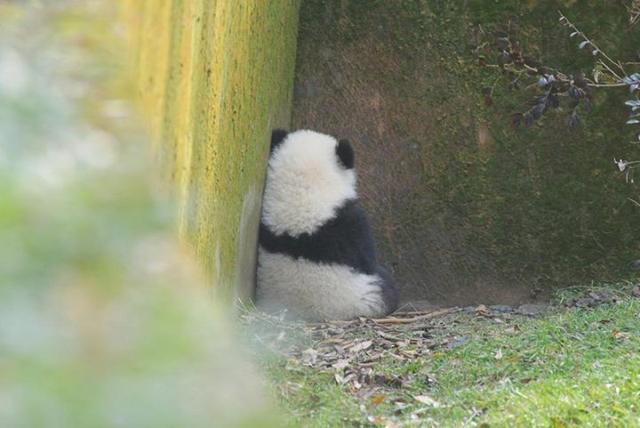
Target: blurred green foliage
{"x":103,"y":318}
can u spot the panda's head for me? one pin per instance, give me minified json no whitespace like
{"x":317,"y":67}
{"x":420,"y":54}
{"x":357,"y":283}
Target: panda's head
{"x":310,"y":176}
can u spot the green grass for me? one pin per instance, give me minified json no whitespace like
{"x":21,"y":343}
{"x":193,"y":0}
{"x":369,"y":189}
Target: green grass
{"x":571,"y":367}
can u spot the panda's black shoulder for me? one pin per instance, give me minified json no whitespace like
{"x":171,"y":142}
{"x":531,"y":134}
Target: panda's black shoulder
{"x":350,"y":214}
{"x":277,"y":137}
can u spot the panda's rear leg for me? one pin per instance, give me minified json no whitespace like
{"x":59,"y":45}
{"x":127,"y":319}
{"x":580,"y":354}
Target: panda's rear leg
{"x":390,"y":295}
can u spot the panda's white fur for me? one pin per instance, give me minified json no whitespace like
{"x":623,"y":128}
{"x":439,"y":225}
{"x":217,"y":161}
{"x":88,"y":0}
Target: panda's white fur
{"x":306,"y":187}
{"x":316,"y":291}
{"x":305,"y":184}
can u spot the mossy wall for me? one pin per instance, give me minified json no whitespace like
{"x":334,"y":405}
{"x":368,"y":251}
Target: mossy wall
{"x":214,"y":77}
{"x":465,"y":208}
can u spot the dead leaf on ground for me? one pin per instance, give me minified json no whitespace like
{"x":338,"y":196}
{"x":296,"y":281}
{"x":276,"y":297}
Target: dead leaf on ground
{"x":512,"y":329}
{"x":360,"y":346}
{"x":620,"y":335}
{"x":483,"y":311}
{"x":340,"y":364}
{"x":377,"y":399}
{"x":425,"y":399}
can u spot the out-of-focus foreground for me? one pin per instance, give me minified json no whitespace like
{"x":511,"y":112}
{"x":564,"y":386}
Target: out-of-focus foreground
{"x":103,"y":319}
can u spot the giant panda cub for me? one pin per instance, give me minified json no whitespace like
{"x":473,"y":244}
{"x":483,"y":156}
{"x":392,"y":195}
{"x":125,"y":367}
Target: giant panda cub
{"x":316,"y":255}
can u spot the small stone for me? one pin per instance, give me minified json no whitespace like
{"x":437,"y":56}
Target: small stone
{"x":504,"y":309}
{"x":483,"y":311}
{"x":458,"y":341}
{"x":584,"y":302}
{"x":602,"y":296}
{"x":532,"y":308}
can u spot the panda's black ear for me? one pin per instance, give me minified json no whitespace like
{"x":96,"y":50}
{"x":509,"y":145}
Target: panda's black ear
{"x":277,"y":137}
{"x":345,"y":154}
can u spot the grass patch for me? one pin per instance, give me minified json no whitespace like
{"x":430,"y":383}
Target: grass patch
{"x":571,"y":366}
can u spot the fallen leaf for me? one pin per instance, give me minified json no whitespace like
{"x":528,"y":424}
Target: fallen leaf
{"x":376,"y":420}
{"x":309,"y":357}
{"x":340,"y":364}
{"x":620,"y":335}
{"x":399,"y":406}
{"x":498,"y":355}
{"x":361,"y":346}
{"x":425,"y":399}
{"x":483,"y":311}
{"x":377,"y":399}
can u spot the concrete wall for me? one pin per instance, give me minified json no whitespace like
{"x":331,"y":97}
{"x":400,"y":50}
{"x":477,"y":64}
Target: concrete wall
{"x":214,"y":77}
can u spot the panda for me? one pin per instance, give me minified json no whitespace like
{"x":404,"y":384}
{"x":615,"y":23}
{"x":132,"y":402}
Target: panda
{"x":316,"y":254}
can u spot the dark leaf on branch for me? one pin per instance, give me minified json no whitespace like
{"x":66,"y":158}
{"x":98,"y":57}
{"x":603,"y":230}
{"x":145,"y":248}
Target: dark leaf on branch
{"x":573,"y":121}
{"x":628,"y":80}
{"x":538,"y":110}
{"x":575,"y":92}
{"x":531,"y":62}
{"x":516,"y":120}
{"x":504,"y":58}
{"x":527,"y":119}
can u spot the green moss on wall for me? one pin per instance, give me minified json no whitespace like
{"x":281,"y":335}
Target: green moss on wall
{"x":465,"y":208}
{"x":214,"y":78}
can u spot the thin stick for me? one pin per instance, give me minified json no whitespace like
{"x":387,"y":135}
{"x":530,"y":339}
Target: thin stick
{"x":587,"y":39}
{"x":434,"y":314}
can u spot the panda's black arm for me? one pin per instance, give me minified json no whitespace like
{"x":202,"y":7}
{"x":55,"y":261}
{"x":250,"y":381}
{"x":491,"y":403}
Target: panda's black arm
{"x":355,"y":237}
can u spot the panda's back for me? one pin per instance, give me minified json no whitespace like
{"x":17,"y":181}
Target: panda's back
{"x":316,"y":250}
